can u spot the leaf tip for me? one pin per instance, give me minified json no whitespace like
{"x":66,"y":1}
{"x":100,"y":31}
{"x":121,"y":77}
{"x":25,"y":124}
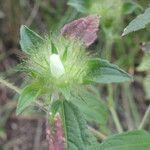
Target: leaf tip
{"x":22,"y":27}
{"x":124,"y":32}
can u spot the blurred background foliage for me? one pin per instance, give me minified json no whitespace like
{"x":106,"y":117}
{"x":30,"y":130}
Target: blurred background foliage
{"x":130,"y":52}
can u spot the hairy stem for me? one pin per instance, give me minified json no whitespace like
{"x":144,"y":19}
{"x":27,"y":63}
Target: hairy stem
{"x":55,"y":133}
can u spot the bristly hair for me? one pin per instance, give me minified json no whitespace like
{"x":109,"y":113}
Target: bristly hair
{"x":72,"y":54}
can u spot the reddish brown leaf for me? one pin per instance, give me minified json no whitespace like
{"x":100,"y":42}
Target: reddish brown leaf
{"x":84,"y":29}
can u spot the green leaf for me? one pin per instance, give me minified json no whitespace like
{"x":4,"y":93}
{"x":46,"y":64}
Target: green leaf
{"x":133,"y":140}
{"x":29,"y":39}
{"x":74,"y":127}
{"x":89,"y":104}
{"x":101,"y":71}
{"x":28,"y":95}
{"x":138,"y":23}
{"x":80,"y":5}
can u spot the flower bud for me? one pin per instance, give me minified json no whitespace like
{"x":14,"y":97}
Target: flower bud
{"x":56,"y":66}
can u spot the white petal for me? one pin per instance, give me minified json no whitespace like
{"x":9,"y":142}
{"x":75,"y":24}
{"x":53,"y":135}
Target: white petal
{"x":56,"y":66}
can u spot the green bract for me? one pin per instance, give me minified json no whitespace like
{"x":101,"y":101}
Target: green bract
{"x":53,"y":70}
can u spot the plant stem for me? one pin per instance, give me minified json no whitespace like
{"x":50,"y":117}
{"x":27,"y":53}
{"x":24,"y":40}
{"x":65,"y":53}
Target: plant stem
{"x":116,"y":119}
{"x":108,"y":47}
{"x":55,"y":133}
{"x":145,"y":118}
{"x":126,"y":106}
{"x":9,"y":85}
{"x":113,"y":111}
{"x":98,"y":134}
{"x":133,"y":107}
